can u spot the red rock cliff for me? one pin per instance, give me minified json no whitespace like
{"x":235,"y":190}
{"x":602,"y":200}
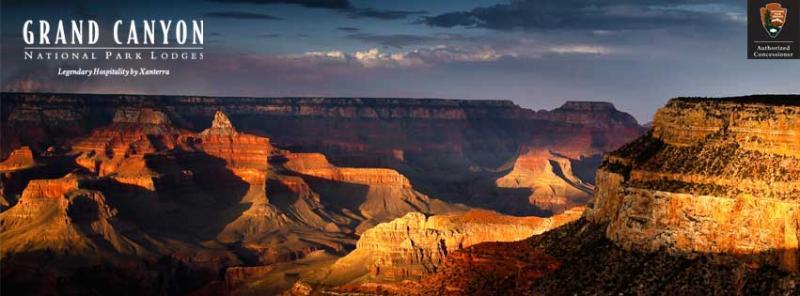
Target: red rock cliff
{"x":713,"y":176}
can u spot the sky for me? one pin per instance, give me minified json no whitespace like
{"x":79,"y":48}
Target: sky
{"x":538,"y":53}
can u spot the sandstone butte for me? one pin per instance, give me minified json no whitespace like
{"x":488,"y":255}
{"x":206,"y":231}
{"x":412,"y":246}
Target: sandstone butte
{"x":704,"y":203}
{"x":550,"y":178}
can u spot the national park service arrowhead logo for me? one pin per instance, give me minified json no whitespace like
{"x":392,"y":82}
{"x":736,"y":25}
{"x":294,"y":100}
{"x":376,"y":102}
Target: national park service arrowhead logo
{"x":773,"y":17}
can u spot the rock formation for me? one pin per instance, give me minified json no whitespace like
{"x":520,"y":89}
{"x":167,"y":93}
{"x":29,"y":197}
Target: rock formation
{"x":208,"y":200}
{"x":58,"y":216}
{"x":578,"y":259}
{"x":377,"y":195}
{"x":168,"y":202}
{"x":439,"y":145}
{"x":416,"y":245}
{"x":19,"y":159}
{"x":713,"y":176}
{"x":704,"y":203}
{"x":550,"y":179}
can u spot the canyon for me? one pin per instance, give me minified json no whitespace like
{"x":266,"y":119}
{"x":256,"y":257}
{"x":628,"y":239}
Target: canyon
{"x":306,"y":196}
{"x":216,"y":195}
{"x":455,"y":150}
{"x":703,"y":203}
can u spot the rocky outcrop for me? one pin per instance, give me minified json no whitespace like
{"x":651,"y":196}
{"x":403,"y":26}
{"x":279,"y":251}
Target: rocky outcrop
{"x":317,"y":165}
{"x":120,"y":148}
{"x":578,"y":259}
{"x":759,"y":127}
{"x":272,"y":204}
{"x":416,"y":245}
{"x":245,"y":154}
{"x":377,"y":195}
{"x":550,"y":179}
{"x":592,"y":113}
{"x":19,"y":159}
{"x":57,"y":215}
{"x":133,"y":132}
{"x":713,"y":177}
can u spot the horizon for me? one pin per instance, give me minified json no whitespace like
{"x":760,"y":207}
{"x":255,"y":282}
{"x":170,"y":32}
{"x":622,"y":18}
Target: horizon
{"x":515,"y":103}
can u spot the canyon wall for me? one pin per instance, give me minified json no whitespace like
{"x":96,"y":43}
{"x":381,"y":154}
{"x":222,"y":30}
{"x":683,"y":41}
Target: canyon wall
{"x":712,"y":177}
{"x":196,"y":185}
{"x":697,"y":206}
{"x":377,"y":128}
{"x":231,"y":187}
{"x":441,"y":146}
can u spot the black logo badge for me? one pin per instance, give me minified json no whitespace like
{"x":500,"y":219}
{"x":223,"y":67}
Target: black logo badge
{"x":772,"y":29}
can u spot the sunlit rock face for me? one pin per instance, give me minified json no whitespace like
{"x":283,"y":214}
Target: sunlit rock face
{"x":550,"y":179}
{"x":19,"y":159}
{"x":317,"y":165}
{"x":757,"y":127}
{"x":245,"y":154}
{"x":120,"y":147}
{"x":713,"y":176}
{"x":376,"y":194}
{"x":201,"y":184}
{"x":57,"y":215}
{"x":133,"y":132}
{"x":416,"y":245}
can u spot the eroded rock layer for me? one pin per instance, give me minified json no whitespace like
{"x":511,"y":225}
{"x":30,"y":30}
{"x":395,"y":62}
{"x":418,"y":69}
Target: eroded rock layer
{"x":173,"y":191}
{"x":439,"y":145}
{"x":578,"y":259}
{"x":712,"y":177}
{"x":415,"y":245}
{"x":59,"y":216}
{"x":143,"y":189}
{"x":19,"y":159}
{"x":376,"y":194}
{"x":550,"y":179}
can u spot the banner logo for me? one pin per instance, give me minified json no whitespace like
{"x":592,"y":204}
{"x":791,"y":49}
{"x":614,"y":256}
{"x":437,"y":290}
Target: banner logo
{"x":773,"y":17}
{"x":773,"y":29}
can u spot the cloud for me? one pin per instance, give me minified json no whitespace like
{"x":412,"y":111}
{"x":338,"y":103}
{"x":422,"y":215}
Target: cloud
{"x":241,"y":15}
{"x":581,"y":49}
{"x":357,"y":13}
{"x":403,"y":40}
{"x":343,"y":6}
{"x":422,"y":57}
{"x":348,"y":29}
{"x":528,"y":15}
{"x":329,"y":4}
